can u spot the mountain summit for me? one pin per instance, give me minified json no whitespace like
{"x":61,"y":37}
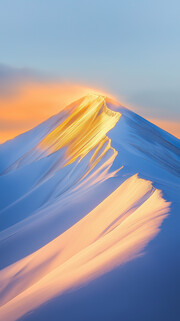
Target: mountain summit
{"x":89,"y":196}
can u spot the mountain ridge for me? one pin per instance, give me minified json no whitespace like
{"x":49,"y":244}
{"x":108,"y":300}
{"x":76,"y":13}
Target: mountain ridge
{"x":81,"y":212}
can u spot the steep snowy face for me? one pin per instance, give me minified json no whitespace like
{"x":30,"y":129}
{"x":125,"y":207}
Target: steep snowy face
{"x":84,"y":129}
{"x":79,"y":132}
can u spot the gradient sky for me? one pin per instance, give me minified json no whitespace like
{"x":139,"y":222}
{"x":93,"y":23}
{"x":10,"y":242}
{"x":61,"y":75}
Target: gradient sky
{"x":128,"y":48}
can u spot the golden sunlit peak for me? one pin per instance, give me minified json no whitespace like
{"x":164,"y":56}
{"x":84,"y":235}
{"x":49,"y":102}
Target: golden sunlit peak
{"x":85,"y":127}
{"x":93,"y":95}
{"x":105,"y":98}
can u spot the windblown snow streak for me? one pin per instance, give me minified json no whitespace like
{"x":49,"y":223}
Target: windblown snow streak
{"x":113,"y":233}
{"x":74,"y":208}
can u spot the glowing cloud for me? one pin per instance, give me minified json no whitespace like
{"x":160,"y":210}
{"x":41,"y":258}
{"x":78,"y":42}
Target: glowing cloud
{"x":171,"y":126}
{"x":33,"y":103}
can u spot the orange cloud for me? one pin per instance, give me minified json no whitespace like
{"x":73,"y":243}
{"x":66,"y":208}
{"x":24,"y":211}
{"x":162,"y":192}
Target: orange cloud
{"x":171,"y":126}
{"x":34,"y":103}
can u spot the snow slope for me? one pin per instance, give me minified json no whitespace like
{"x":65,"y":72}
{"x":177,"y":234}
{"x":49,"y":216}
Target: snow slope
{"x":89,"y":214}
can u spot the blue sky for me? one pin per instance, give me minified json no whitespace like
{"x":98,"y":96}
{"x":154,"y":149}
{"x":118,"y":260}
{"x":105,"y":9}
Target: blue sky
{"x":129,"y":48}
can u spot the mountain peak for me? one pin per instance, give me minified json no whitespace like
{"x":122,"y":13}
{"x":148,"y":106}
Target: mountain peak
{"x":83,"y":129}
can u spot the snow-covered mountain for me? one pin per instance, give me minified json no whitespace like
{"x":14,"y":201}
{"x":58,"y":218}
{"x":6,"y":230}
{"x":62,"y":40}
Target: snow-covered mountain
{"x":89,"y":218}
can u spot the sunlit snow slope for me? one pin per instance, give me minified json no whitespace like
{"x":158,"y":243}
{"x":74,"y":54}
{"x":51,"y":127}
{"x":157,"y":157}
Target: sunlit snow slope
{"x":91,"y":190}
